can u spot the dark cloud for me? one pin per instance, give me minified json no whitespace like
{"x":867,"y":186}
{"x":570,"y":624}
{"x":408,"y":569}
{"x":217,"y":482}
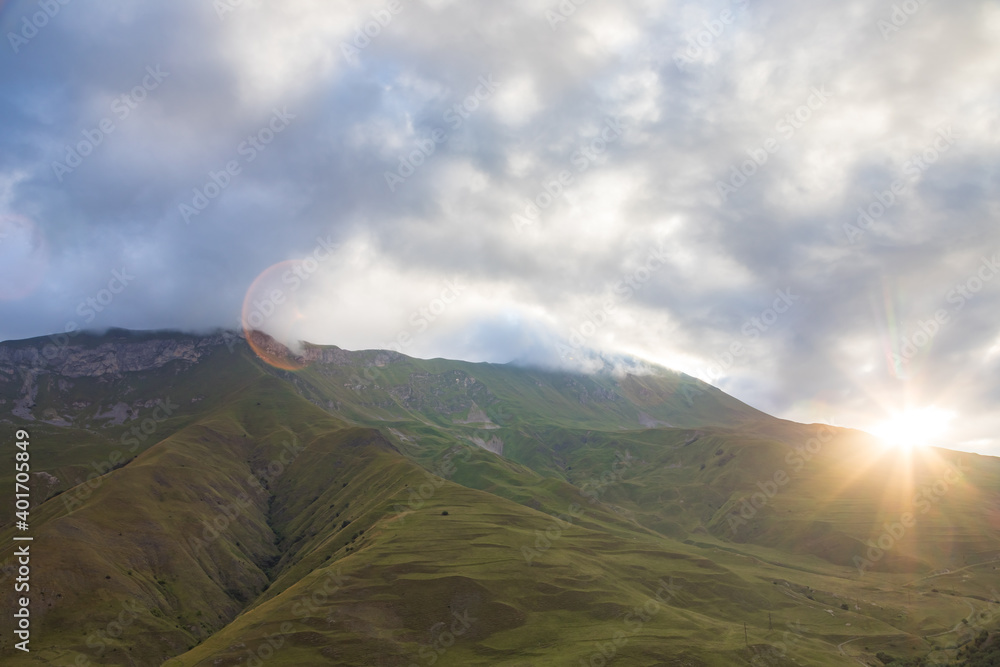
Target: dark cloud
{"x":635,"y":252}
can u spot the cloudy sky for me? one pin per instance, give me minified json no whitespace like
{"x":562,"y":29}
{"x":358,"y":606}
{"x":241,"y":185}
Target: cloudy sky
{"x":798,"y":202}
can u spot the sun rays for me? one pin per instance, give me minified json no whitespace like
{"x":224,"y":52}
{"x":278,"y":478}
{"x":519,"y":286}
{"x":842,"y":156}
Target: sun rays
{"x":914,"y":427}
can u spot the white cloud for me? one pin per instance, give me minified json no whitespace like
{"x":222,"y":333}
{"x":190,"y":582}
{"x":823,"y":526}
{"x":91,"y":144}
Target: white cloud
{"x":684,"y":128}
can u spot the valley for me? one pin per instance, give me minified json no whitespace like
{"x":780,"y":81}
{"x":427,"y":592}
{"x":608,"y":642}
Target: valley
{"x":194,"y":505}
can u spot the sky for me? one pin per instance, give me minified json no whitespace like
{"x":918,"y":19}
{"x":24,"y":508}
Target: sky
{"x":797,"y":202}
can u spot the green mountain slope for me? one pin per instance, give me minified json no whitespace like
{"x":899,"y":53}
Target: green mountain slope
{"x":371,"y":508}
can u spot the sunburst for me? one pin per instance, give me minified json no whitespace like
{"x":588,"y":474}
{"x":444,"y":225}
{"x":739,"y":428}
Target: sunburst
{"x":915,"y":427}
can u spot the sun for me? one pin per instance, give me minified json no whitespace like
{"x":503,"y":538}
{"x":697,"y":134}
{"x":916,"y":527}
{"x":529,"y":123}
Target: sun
{"x":916,"y":427}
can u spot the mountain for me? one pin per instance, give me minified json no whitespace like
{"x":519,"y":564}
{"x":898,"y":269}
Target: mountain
{"x":194,"y":505}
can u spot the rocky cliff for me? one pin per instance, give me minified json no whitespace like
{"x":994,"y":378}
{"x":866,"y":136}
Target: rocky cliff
{"x":113,"y":355}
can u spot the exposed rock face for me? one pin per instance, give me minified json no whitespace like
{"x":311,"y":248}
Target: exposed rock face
{"x":116,"y":414}
{"x":114,"y":358}
{"x":277,"y":354}
{"x":334,"y":356}
{"x":55,"y":362}
{"x":29,"y":392}
{"x":478,"y":418}
{"x":494,"y":444}
{"x":55,"y":366}
{"x":648,"y":422}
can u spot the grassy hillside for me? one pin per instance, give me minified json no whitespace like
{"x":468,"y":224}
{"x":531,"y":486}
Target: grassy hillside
{"x":376,"y":509}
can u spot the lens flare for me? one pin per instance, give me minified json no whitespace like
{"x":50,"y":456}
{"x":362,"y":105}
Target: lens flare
{"x":270,"y":305}
{"x":916,"y":427}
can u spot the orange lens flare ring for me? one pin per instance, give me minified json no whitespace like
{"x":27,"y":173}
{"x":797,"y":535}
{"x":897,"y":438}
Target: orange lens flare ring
{"x":270,"y":300}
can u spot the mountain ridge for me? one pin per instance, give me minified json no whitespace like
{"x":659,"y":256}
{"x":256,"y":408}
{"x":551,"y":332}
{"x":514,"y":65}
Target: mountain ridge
{"x":548,"y":505}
